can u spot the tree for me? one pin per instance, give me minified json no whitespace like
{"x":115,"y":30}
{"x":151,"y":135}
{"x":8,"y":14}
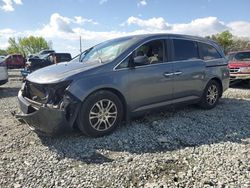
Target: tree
{"x":224,"y":39}
{"x":3,"y":52}
{"x":27,"y":45}
{"x":240,"y":44}
{"x":13,"y":46}
{"x":230,"y":42}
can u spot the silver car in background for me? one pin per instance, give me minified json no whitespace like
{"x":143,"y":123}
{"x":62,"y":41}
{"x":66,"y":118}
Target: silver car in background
{"x":3,"y":71}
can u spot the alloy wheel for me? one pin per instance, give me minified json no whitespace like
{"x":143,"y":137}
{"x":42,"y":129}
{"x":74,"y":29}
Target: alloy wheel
{"x":212,"y":94}
{"x":103,"y":115}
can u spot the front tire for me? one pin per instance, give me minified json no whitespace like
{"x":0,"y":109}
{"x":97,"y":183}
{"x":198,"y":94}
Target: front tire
{"x":211,"y":95}
{"x":100,"y":114}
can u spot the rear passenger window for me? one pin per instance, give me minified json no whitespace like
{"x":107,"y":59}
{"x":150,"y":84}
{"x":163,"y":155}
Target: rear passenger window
{"x":185,"y":50}
{"x":208,"y":52}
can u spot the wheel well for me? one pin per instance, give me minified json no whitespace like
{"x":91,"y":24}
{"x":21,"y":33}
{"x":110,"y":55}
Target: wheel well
{"x":120,"y":96}
{"x":220,"y":84}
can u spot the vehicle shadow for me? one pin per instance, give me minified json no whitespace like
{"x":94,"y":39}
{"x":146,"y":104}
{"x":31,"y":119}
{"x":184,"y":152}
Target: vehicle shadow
{"x":240,"y":85}
{"x":161,"y":132}
{"x":8,"y":91}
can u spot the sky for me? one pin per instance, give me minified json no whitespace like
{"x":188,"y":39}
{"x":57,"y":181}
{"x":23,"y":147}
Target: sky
{"x":63,"y":21}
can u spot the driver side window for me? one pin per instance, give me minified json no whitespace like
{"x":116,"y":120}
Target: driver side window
{"x":149,"y":53}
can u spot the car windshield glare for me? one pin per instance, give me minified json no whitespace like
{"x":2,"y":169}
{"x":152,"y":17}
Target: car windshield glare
{"x":106,"y":51}
{"x":242,"y":56}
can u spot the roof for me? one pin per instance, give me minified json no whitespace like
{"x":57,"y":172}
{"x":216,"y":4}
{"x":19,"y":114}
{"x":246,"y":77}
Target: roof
{"x":153,"y":35}
{"x":170,"y":35}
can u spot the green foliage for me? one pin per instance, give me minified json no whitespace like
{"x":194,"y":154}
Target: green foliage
{"x":27,"y":45}
{"x":13,"y":47}
{"x":3,"y":52}
{"x":230,"y":42}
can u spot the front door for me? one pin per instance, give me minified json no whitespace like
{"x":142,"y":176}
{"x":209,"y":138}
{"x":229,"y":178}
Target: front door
{"x":150,"y":79}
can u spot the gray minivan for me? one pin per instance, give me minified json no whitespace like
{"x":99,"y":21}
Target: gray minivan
{"x":112,"y":81}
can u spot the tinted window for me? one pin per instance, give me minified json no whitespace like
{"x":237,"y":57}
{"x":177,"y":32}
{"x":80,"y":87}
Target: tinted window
{"x":242,"y":56}
{"x":185,"y":50}
{"x":208,"y":52}
{"x":63,"y":57}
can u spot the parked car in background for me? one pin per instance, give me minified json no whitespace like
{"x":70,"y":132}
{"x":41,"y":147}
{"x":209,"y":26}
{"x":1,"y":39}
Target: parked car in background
{"x":3,"y":73}
{"x":2,"y":57}
{"x":15,"y":61}
{"x":41,"y":53}
{"x":45,"y":60}
{"x":239,"y":64}
{"x":121,"y":78}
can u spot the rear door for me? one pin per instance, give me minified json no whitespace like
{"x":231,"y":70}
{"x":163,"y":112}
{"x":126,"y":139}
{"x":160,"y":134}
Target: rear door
{"x":188,"y":70}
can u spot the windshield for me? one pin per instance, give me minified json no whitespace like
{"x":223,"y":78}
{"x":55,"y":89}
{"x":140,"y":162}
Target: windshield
{"x":45,"y":56}
{"x":106,"y":51}
{"x":242,"y":56}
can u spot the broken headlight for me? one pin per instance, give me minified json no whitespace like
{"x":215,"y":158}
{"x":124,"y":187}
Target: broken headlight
{"x":56,"y":94}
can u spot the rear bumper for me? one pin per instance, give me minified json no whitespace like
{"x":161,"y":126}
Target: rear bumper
{"x":44,"y":120}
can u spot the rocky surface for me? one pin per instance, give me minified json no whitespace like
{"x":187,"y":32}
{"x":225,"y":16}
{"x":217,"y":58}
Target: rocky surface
{"x":183,"y":147}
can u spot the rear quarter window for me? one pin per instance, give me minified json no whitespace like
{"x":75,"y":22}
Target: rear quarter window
{"x":208,"y":52}
{"x":185,"y":50}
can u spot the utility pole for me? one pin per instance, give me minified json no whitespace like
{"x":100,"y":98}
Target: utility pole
{"x":80,"y":44}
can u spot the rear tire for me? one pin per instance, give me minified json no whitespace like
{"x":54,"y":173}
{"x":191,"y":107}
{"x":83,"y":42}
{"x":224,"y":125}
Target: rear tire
{"x":211,"y":95}
{"x":100,"y":114}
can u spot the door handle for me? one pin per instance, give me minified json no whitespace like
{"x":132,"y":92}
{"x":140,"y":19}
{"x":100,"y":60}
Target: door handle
{"x":177,"y":73}
{"x":168,"y":74}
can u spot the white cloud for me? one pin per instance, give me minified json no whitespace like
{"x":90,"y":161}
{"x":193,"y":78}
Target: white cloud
{"x":58,"y":23}
{"x":152,"y":23}
{"x":6,"y":31}
{"x":103,"y":1}
{"x":61,"y":26}
{"x":18,"y":2}
{"x":142,"y":3}
{"x":80,"y":20}
{"x":240,"y":28}
{"x":8,"y":5}
{"x":200,"y":26}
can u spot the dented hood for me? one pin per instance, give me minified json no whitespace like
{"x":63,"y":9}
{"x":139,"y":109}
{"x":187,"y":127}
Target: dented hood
{"x":59,"y":72}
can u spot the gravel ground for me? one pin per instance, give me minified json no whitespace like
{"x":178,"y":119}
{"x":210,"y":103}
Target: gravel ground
{"x":184,"y":147}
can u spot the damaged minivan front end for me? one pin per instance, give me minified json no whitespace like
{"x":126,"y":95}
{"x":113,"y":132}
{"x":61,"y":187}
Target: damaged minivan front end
{"x":48,"y":108}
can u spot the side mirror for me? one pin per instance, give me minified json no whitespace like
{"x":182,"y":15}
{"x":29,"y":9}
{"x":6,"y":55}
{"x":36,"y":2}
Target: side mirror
{"x":140,"y":60}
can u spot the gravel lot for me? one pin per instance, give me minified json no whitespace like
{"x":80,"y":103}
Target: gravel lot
{"x":184,"y":147}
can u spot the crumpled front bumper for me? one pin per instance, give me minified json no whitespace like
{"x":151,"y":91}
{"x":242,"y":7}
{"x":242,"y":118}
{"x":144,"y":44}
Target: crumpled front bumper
{"x":44,"y":120}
